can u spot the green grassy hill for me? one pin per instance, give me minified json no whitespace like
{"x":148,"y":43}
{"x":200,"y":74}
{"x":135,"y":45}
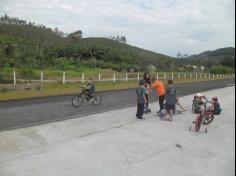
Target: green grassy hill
{"x":28,"y":45}
{"x":222,"y":56}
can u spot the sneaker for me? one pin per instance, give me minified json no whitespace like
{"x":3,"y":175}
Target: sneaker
{"x":140,"y":118}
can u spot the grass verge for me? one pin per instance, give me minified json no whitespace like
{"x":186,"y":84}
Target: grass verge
{"x":8,"y":92}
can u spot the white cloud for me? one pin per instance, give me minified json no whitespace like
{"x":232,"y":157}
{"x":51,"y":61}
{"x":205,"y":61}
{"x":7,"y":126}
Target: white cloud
{"x":165,"y":26}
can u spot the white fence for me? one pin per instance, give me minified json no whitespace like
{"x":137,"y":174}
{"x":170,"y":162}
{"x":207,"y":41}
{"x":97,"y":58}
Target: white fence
{"x":127,"y":77}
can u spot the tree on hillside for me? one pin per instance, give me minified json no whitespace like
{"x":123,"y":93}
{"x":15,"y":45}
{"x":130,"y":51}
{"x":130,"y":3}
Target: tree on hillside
{"x":179,"y":56}
{"x":77,"y":35}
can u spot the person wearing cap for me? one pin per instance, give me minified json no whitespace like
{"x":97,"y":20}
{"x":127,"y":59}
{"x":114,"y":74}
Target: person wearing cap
{"x":141,"y":99}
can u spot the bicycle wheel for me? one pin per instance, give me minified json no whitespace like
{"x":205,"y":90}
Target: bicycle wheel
{"x":97,"y":100}
{"x":208,"y":118}
{"x":198,"y":122}
{"x":77,"y":101}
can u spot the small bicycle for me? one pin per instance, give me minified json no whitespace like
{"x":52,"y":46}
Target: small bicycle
{"x":78,"y":100}
{"x":204,"y":118}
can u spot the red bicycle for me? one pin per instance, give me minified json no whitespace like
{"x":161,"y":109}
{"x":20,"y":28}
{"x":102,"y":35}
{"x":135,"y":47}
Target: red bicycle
{"x":204,"y":118}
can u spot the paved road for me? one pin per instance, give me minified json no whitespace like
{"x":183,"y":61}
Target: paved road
{"x":20,"y":113}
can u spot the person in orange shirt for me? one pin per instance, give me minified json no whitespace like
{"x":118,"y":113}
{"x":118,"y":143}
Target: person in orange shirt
{"x":158,"y":85}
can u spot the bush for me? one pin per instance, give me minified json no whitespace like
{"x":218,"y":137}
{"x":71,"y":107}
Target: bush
{"x":219,"y":69}
{"x":6,"y":76}
{"x":26,"y":73}
{"x":3,"y":90}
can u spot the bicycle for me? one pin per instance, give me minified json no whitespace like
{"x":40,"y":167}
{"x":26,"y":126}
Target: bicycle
{"x":77,"y":100}
{"x":204,"y":118}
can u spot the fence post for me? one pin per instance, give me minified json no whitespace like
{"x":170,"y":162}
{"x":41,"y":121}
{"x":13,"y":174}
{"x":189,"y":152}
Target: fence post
{"x":190,"y":76}
{"x":179,"y":75}
{"x":14,"y":77}
{"x":126,"y":77}
{"x":82,"y":79}
{"x":205,"y":75}
{"x":172,"y":76}
{"x":196,"y":76}
{"x":64,"y":78}
{"x":41,"y":78}
{"x":114,"y":78}
{"x":99,"y":77}
{"x":185,"y":75}
{"x":157,"y":76}
{"x":138,"y":77}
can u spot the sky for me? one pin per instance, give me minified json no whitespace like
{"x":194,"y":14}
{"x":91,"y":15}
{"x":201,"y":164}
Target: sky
{"x":163,"y":26}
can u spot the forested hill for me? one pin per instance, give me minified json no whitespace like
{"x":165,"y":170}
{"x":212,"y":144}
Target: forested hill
{"x":222,"y":56}
{"x":27,"y":44}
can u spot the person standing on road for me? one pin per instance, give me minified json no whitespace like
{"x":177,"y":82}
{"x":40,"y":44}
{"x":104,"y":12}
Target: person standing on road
{"x":141,"y":99}
{"x":160,"y":89}
{"x":147,"y":85}
{"x":170,"y":100}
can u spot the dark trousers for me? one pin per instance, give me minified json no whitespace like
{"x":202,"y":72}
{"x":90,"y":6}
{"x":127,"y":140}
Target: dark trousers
{"x":146,"y":99}
{"x":140,"y":110}
{"x":161,"y":101}
{"x":89,"y":93}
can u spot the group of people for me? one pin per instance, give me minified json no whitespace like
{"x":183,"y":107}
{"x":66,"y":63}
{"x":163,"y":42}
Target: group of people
{"x":168,"y":98}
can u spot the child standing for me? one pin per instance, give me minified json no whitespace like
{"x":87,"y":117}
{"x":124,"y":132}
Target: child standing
{"x":216,"y":104}
{"x":141,"y":99}
{"x":147,"y":85}
{"x":170,"y":100}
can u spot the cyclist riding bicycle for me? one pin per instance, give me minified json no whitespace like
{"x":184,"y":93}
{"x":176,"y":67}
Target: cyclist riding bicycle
{"x":90,"y":89}
{"x":198,"y":101}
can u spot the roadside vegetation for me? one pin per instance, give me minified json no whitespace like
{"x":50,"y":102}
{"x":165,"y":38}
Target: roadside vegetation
{"x":28,"y":90}
{"x":31,"y":49}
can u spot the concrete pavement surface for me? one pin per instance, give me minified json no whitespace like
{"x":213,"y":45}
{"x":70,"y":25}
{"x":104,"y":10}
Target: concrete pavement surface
{"x":115,"y":143}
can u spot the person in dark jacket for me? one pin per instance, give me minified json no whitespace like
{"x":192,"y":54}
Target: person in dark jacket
{"x":216,"y":104}
{"x":90,"y":89}
{"x":141,"y":99}
{"x":170,"y":100}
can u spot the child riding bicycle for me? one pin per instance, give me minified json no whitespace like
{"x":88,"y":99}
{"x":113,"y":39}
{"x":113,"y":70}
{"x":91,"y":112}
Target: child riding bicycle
{"x":90,"y":89}
{"x":198,"y":101}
